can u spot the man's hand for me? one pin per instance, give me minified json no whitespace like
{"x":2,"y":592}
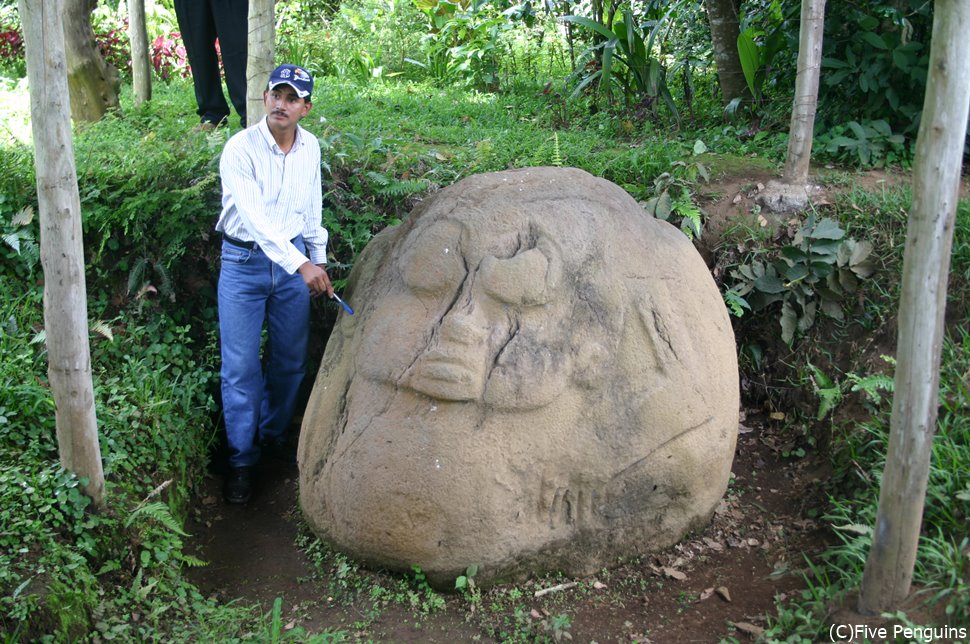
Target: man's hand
{"x":316,"y":279}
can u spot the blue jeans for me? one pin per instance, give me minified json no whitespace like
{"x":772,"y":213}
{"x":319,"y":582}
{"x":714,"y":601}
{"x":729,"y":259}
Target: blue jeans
{"x":258,"y":401}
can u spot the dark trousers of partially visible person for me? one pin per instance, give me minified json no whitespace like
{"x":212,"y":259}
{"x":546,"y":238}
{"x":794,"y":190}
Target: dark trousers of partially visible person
{"x":201,"y":22}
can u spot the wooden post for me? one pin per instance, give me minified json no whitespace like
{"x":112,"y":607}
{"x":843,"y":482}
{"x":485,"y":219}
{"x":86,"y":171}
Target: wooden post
{"x":262,"y":49}
{"x":141,"y":69}
{"x":806,"y":93}
{"x":929,"y":239}
{"x":61,"y":252}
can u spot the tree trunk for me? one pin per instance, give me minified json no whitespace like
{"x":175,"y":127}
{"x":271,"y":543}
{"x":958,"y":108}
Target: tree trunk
{"x":262,"y":49}
{"x":793,"y":192}
{"x":806,"y":93}
{"x":723,"y":18}
{"x":141,"y":70}
{"x":929,"y":239}
{"x":93,"y":84}
{"x":61,"y":252}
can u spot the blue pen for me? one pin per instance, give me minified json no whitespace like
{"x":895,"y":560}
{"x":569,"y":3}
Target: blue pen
{"x":343,"y":304}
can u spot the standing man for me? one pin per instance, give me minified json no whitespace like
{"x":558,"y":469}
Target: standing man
{"x":201,"y":22}
{"x":273,"y":257}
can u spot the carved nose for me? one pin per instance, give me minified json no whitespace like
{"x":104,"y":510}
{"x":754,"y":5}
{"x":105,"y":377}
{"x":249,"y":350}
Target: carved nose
{"x":453,"y":368}
{"x":463,"y":329}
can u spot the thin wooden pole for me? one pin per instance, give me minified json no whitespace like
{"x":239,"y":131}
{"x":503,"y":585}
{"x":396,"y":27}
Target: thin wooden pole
{"x":61,"y":251}
{"x":936,"y":181}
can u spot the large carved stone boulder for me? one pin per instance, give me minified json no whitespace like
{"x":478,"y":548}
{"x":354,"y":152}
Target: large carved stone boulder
{"x":538,"y":377}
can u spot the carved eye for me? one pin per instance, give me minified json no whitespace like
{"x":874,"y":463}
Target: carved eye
{"x":433,"y":262}
{"x":526,"y":279}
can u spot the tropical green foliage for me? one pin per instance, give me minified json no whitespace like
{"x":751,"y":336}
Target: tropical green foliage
{"x":813,"y":273}
{"x":644,"y":78}
{"x":764,"y":36}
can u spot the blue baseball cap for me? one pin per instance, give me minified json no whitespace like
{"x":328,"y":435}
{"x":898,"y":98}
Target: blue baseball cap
{"x":294,"y":76}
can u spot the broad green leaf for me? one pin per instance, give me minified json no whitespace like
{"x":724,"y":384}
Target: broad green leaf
{"x":833,"y":282}
{"x":863,"y":269}
{"x":847,"y":280}
{"x":857,"y":129}
{"x":796,"y":272}
{"x":821,"y":269}
{"x":591,"y":25}
{"x":584,"y":83}
{"x":699,"y":147}
{"x":607,"y":70}
{"x":860,"y":251}
{"x":793,"y":253}
{"x":702,"y":171}
{"x":874,"y":39}
{"x":769,"y":283}
{"x":807,"y":319}
{"x":827,"y":229}
{"x":759,"y":300}
{"x":902,"y":60}
{"x":832,"y":308}
{"x":881,"y":127}
{"x":834,"y":63}
{"x":750,"y":55}
{"x":840,"y":142}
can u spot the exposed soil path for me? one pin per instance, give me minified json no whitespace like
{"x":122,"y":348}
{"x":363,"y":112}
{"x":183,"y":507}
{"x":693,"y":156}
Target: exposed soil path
{"x":719,"y":583}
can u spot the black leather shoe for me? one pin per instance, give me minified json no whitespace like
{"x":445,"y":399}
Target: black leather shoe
{"x":239,"y":485}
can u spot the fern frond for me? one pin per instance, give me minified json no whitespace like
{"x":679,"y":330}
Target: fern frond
{"x":159,"y":512}
{"x":102,"y":328}
{"x":12,"y":240}
{"x":30,"y":251}
{"x":164,"y":281}
{"x":556,"y":152}
{"x":390,"y":187}
{"x":872,"y":385}
{"x":691,"y":223}
{"x":136,"y":274}
{"x":192,"y":562}
{"x":23,"y":217}
{"x":378,"y":178}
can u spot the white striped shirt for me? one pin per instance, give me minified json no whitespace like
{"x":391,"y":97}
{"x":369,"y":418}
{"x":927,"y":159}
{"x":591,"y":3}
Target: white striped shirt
{"x":269,"y":197}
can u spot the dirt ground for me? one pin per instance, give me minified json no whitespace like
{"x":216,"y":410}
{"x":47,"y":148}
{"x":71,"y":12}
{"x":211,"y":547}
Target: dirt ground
{"x":720,"y":583}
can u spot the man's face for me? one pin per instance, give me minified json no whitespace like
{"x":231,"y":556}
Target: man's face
{"x":284,"y":108}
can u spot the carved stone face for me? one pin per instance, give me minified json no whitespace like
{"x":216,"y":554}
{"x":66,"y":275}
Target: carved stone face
{"x":521,"y":387}
{"x":476,"y":319}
